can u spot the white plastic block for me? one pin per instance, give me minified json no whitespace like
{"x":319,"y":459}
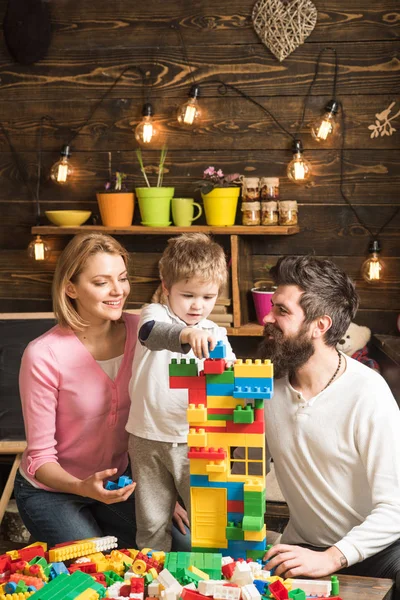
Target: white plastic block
{"x":313,"y":587}
{"x":108,"y":542}
{"x":190,"y":586}
{"x":242,"y":574}
{"x":226,"y":592}
{"x":226,"y":560}
{"x":255,"y":568}
{"x":171,"y":593}
{"x":250,"y":592}
{"x":207,"y":586}
{"x":167,"y":579}
{"x":154,"y":589}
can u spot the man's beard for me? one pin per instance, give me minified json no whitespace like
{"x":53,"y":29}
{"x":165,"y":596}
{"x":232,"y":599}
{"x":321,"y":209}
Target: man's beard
{"x":286,"y":353}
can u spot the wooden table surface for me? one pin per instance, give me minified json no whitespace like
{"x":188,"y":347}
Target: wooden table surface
{"x":364,"y":588}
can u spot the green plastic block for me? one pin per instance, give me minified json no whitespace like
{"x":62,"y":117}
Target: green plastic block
{"x":254,"y":504}
{"x":258,"y":403}
{"x":253,"y":523}
{"x":111,"y":577}
{"x":183,"y":368}
{"x":227,"y":376}
{"x":234,"y":531}
{"x":297,"y":594}
{"x":184,"y":576}
{"x":334,"y":585}
{"x":213,"y":565}
{"x":224,"y":417}
{"x":148,"y":578}
{"x":255,"y":554}
{"x":243,"y":415}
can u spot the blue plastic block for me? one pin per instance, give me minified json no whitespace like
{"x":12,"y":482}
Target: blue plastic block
{"x":248,"y":392}
{"x":261,"y":585}
{"x":236,"y":517}
{"x":199,"y":481}
{"x":254,"y":381}
{"x":111,"y":485}
{"x":219,"y":350}
{"x":235,"y":490}
{"x":57,"y":568}
{"x":123,"y":481}
{"x":219,"y":389}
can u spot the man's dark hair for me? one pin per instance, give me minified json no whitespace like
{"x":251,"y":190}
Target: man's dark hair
{"x":327,"y":291}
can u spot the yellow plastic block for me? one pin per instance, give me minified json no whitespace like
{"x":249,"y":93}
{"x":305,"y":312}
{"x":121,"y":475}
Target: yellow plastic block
{"x":258,"y":368}
{"x":210,"y":424}
{"x":255,"y":536}
{"x":120,"y":556}
{"x":72,"y":551}
{"x":139,"y":566}
{"x":153,"y":571}
{"x":224,"y":402}
{"x":255,"y":484}
{"x":18,"y":596}
{"x":133,"y":552}
{"x":100,"y":561}
{"x":224,"y":440}
{"x":197,"y":438}
{"x":209,"y":517}
{"x":286,"y":582}
{"x":88,"y":594}
{"x":159,"y":556}
{"x":196,"y":413}
{"x":13,"y":554}
{"x":255,"y":440}
{"x":198,"y":466}
{"x":216,"y":467}
{"x":197,"y":571}
{"x":145,"y":550}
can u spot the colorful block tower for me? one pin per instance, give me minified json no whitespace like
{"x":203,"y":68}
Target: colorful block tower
{"x":227,"y":451}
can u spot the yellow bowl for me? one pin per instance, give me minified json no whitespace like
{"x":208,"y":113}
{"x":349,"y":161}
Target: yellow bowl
{"x":68,"y":218}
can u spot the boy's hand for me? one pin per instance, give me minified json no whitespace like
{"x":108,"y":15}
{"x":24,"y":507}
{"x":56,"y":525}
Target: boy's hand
{"x":199,"y":340}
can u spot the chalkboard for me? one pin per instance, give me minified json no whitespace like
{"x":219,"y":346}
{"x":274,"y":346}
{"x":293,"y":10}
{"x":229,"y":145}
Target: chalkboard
{"x":15,"y":335}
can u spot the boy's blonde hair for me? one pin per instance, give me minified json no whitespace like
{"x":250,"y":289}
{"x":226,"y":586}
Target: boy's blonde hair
{"x":193,"y":255}
{"x":70,"y":264}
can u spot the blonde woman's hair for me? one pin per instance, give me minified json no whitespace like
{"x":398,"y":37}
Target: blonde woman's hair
{"x":70,"y":264}
{"x":193,"y":255}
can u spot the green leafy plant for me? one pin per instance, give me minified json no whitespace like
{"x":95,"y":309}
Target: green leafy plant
{"x":160,"y":168}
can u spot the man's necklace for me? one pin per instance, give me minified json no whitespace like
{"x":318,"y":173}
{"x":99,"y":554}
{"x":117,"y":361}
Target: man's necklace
{"x":336,"y":372}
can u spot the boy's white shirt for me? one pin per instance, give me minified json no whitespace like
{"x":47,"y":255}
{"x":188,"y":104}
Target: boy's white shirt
{"x":157,"y":412}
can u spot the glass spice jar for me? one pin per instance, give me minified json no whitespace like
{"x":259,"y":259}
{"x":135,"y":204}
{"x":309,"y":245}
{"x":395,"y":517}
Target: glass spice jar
{"x":269,"y":213}
{"x":269,"y":188}
{"x":250,"y":213}
{"x":288,"y":212}
{"x":250,"y":189}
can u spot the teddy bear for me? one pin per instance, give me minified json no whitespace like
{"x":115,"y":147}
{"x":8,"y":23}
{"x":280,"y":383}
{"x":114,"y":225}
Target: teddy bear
{"x":354,"y":344}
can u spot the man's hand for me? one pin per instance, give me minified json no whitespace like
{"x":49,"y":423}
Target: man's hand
{"x":180,"y":518}
{"x":295,"y":561}
{"x":199,"y":340}
{"x":93,"y":487}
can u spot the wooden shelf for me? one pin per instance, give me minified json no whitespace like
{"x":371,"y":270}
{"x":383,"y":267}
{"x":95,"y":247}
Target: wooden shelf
{"x":248,"y":330}
{"x":142,"y":230}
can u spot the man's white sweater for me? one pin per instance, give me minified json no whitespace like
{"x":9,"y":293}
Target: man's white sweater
{"x":337,"y":461}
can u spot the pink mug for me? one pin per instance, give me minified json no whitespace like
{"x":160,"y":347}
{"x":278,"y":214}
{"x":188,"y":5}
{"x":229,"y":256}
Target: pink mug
{"x":262,"y":303}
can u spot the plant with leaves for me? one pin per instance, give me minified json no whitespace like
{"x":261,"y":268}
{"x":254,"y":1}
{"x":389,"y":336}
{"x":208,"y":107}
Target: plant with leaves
{"x":117,"y":184}
{"x":159,"y":169}
{"x":215,"y":178}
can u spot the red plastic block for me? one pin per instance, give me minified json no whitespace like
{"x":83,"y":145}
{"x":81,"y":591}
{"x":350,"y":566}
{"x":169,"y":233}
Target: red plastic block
{"x":198,"y":397}
{"x":86,"y":567}
{"x":125,"y":591}
{"x":236,"y":506}
{"x":137,"y":585}
{"x":278,"y":590}
{"x":227,"y":570}
{"x":190,"y":383}
{"x":207,"y":453}
{"x":5,"y":563}
{"x":191,"y":595}
{"x":256,"y":427}
{"x":214,"y":366}
{"x":259,"y":414}
{"x":99,"y":577}
{"x":29,"y":553}
{"x":18,"y":566}
{"x":215,"y":429}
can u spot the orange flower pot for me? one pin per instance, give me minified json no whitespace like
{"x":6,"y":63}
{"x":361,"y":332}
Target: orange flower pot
{"x":116,"y":208}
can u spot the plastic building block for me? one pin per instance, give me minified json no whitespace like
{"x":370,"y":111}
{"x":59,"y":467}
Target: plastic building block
{"x":250,"y":592}
{"x":250,"y":392}
{"x":219,"y":389}
{"x":313,"y":587}
{"x":214,"y":366}
{"x":196,"y":414}
{"x":334,"y":585}
{"x":219,"y":350}
{"x":256,"y":536}
{"x":258,"y":368}
{"x":227,"y":376}
{"x":253,"y":523}
{"x":278,"y":590}
{"x":243,"y":415}
{"x":190,"y":383}
{"x":227,"y":592}
{"x":197,"y":397}
{"x":297,"y":594}
{"x":183,"y":368}
{"x":234,"y":531}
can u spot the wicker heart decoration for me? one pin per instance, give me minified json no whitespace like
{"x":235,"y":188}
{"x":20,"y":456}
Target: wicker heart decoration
{"x":284,"y":26}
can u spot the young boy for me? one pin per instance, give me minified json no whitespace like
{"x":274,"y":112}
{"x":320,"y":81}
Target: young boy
{"x":192,"y":271}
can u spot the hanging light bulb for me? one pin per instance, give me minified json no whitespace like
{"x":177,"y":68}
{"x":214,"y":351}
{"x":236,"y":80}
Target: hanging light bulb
{"x":326,"y":124}
{"x":189,"y":113}
{"x":299,"y":169}
{"x":38,"y":249}
{"x":373,"y":269}
{"x":145,"y":131}
{"x":62,"y":171}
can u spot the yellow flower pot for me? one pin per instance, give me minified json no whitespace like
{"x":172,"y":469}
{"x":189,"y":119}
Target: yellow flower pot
{"x":220,"y":206}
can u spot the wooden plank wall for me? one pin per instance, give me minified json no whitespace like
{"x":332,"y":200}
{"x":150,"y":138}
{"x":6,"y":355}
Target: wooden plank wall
{"x":94,"y":40}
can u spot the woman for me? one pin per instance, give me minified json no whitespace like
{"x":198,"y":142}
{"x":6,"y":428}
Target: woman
{"x":74,"y":392}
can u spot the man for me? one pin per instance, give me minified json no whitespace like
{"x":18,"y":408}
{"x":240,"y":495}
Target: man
{"x":333,"y":430}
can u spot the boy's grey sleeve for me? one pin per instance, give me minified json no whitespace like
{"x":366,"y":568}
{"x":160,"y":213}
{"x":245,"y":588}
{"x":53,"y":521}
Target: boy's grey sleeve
{"x":156,"y":335}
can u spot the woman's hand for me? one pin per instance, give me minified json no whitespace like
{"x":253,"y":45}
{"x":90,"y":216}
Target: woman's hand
{"x":93,"y":487}
{"x":200,"y":341}
{"x":180,"y":518}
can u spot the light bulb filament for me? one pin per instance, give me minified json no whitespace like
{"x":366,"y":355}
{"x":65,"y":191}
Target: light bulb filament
{"x":39,"y":250}
{"x":324,"y":129}
{"x":62,"y":172}
{"x":147,"y":132}
{"x":299,"y":170}
{"x":374,"y":270}
{"x":190,"y":114}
